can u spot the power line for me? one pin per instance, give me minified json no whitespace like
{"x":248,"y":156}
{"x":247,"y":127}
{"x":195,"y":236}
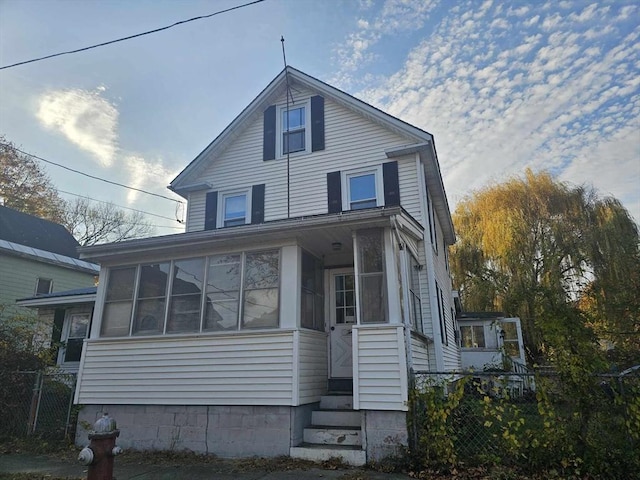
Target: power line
{"x":121,"y":206}
{"x":133,"y":36}
{"x":90,"y":176}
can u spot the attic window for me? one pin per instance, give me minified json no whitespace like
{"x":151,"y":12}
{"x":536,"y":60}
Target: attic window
{"x":292,"y":128}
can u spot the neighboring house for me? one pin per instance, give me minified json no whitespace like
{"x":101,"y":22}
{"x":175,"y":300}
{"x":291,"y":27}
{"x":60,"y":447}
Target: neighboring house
{"x":313,"y":276}
{"x":37,"y":257}
{"x":488,"y":339}
{"x":69,"y":314}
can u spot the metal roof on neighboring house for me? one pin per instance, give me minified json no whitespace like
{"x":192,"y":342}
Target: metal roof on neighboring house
{"x":48,"y":257}
{"x":77,"y":295}
{"x":24,"y":229}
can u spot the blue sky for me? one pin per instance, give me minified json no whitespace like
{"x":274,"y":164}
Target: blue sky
{"x":502,"y":85}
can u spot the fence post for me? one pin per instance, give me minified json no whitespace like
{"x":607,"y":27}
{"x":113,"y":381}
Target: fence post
{"x":66,"y":425}
{"x":35,"y":404}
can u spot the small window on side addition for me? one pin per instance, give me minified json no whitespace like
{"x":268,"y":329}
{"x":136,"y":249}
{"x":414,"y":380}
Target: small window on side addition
{"x":43,"y":286}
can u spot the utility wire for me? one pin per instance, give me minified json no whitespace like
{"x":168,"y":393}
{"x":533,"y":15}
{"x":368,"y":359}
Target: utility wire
{"x":90,"y":176}
{"x":121,"y":206}
{"x":132,"y":36}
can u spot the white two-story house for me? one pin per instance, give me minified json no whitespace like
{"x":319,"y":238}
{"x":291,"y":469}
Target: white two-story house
{"x":311,"y":280}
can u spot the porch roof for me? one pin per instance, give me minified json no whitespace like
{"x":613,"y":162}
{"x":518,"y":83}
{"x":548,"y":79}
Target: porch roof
{"x":317,"y":232}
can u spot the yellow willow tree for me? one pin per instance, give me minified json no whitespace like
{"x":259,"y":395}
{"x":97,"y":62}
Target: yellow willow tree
{"x":557,"y":256}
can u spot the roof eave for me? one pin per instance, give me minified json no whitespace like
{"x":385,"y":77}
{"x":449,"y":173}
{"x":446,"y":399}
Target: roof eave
{"x":230,"y":236}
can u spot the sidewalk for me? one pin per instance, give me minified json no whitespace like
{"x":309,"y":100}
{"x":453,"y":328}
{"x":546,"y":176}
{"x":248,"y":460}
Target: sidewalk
{"x":50,"y":467}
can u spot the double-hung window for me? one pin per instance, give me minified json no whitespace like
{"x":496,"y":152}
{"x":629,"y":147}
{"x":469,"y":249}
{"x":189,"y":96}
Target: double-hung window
{"x":293,"y":129}
{"x":234,"y":208}
{"x":472,"y":336}
{"x":363,"y":189}
{"x":78,"y":327}
{"x":43,"y":286}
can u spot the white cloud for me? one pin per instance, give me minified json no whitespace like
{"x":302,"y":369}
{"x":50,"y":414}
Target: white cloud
{"x":146,"y":175}
{"x":394,"y":17}
{"x":572,"y":108}
{"x":84,"y":118}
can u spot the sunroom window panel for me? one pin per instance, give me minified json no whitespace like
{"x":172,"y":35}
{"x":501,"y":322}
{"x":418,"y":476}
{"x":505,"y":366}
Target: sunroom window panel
{"x":150,"y":307}
{"x":223,"y":292}
{"x":116,"y":316}
{"x":260,"y":308}
{"x":372,"y":286}
{"x":261,"y":293}
{"x":186,"y":296}
{"x":372,"y":299}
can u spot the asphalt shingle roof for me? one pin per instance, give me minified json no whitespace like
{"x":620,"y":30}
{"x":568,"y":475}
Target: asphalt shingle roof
{"x":24,"y":229}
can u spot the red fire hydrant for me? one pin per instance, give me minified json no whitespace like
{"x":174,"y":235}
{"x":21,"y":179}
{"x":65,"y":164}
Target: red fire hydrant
{"x":101,"y":450}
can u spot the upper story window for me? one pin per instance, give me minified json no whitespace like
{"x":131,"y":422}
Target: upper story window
{"x":293,"y":129}
{"x":368,"y":187}
{"x":362,"y":189}
{"x":294,"y":136}
{"x":43,"y":286}
{"x":235,"y":209}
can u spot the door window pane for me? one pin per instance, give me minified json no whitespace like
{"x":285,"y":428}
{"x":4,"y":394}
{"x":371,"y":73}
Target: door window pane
{"x":345,"y":305}
{"x":78,"y":329}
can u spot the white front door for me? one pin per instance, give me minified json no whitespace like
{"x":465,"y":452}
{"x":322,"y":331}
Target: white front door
{"x":343,"y":317}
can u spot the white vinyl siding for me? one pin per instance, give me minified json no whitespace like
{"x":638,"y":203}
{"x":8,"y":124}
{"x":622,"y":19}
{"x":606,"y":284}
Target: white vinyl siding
{"x":238,"y":369}
{"x":312,"y":370}
{"x":380,"y":368}
{"x":419,"y":353}
{"x":351,"y":142}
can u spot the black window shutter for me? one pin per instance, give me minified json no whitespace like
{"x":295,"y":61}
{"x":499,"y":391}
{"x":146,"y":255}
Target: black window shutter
{"x":334,"y":192}
{"x":257,"y":203}
{"x":211,"y":211}
{"x":391,"y":184}
{"x":269,"y":139}
{"x":317,"y":123}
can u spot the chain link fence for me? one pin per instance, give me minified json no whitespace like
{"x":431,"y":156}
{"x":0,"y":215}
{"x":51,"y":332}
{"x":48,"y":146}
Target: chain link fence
{"x":37,"y":403}
{"x":539,"y":420}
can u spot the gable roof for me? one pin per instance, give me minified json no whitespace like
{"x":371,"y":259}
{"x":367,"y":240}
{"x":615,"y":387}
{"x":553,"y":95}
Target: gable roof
{"x":24,"y":229}
{"x":188,"y":179}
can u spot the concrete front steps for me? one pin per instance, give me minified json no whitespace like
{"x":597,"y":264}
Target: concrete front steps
{"x":335,"y":432}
